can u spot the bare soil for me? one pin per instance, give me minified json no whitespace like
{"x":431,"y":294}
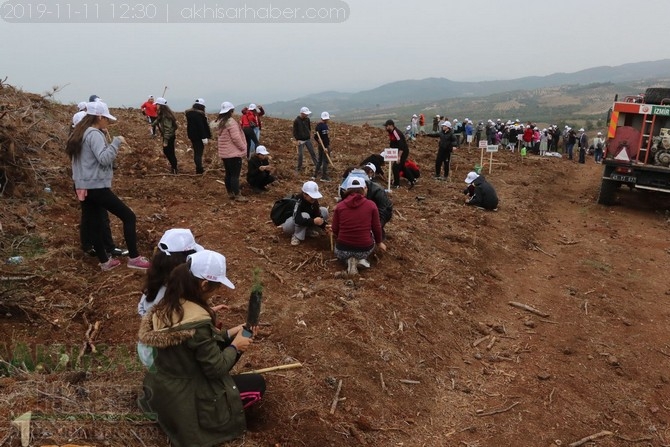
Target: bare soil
{"x":427,"y":346}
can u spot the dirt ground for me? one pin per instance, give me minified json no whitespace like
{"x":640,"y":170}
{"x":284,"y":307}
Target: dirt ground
{"x":426,"y":345}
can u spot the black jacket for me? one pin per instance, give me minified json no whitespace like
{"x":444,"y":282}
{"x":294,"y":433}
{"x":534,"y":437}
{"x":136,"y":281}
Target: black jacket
{"x":484,"y":196}
{"x":197,"y":127}
{"x":447,"y":140}
{"x":377,"y":194}
{"x":302,"y":128}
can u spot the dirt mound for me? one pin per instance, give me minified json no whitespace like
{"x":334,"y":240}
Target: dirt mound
{"x":425,"y":343}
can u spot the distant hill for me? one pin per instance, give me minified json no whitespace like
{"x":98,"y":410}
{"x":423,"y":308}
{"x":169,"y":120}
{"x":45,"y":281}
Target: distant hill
{"x":559,"y":96}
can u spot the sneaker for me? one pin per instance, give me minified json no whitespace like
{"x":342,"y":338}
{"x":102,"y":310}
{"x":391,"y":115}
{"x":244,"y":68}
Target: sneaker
{"x":295,"y":241}
{"x":118,"y":252}
{"x":90,"y":251}
{"x":364,"y":263}
{"x":352,"y":269}
{"x":140,"y":263}
{"x":110,"y":264}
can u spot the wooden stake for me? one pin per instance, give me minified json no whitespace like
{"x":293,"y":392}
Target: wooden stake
{"x":381,"y":379}
{"x":490,"y":413}
{"x":336,"y":399}
{"x":590,"y":438}
{"x":325,"y":151}
{"x":274,"y":368}
{"x":22,"y":423}
{"x":529,"y":309}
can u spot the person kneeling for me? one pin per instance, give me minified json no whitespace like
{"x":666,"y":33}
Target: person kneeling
{"x":259,"y":174}
{"x":355,"y":223}
{"x":307,"y":215}
{"x":479,"y":192}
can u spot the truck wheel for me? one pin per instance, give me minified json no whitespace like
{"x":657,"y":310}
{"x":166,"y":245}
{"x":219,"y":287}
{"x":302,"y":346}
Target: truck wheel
{"x":607,"y":192}
{"x":656,"y":95}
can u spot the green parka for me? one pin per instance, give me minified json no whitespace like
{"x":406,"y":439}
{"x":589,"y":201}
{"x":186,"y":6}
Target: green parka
{"x":188,"y":387}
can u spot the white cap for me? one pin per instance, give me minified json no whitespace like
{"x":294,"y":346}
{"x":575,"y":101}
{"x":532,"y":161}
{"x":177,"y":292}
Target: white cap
{"x":78,"y":117}
{"x":414,"y":116}
{"x":161,"y":101}
{"x":372,"y":167}
{"x":306,"y":111}
{"x":354,"y":182}
{"x":151,"y":97}
{"x":446,"y":124}
{"x":455,"y":120}
{"x":325,"y":115}
{"x":252,"y":106}
{"x":409,"y":127}
{"x":99,"y":108}
{"x":600,"y":133}
{"x":262,"y":150}
{"x":581,"y":129}
{"x":472,"y":175}
{"x":178,"y":240}
{"x":200,"y":101}
{"x":226,"y":107}
{"x":311,"y":189}
{"x":209,"y":265}
{"x":81,"y":105}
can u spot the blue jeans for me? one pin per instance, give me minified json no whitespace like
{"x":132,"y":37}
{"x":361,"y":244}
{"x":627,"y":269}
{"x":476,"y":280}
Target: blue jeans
{"x":568,"y":150}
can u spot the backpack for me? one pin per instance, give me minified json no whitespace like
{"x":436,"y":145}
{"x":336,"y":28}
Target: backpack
{"x":283,"y":209}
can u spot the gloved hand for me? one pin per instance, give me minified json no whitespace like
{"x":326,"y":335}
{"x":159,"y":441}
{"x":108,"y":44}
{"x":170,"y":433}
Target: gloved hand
{"x":205,"y":141}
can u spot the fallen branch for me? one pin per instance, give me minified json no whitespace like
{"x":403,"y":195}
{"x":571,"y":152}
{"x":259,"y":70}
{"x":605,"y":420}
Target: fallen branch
{"x":381,"y":379}
{"x":490,"y":413}
{"x":490,"y":345}
{"x":634,"y":440}
{"x":91,"y":333}
{"x":336,"y":399}
{"x":536,"y":248}
{"x":529,"y":309}
{"x":16,"y":278}
{"x":409,"y":382}
{"x":274,"y":368}
{"x":276,"y":275}
{"x":479,"y":340}
{"x":436,"y":275}
{"x":591,"y":438}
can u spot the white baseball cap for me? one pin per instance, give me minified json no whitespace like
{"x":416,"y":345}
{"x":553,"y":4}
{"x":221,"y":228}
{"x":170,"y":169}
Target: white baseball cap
{"x":81,"y":105}
{"x":446,"y":124}
{"x":178,"y":240}
{"x":252,"y":106}
{"x":209,"y":265}
{"x":161,"y":101}
{"x":99,"y":108}
{"x":581,"y":129}
{"x":354,"y":182}
{"x":325,"y":115}
{"x":371,"y":166}
{"x":151,"y":97}
{"x":78,"y":117}
{"x":200,"y":101}
{"x":311,"y":189}
{"x":306,"y":111}
{"x":226,"y":107}
{"x":472,"y":175}
{"x":600,"y":133}
{"x":262,"y":150}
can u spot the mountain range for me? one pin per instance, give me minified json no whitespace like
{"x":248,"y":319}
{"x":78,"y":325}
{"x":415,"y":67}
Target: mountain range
{"x":579,"y":96}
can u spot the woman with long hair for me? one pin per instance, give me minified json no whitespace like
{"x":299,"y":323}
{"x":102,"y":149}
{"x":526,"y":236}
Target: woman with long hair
{"x":167,"y":125}
{"x":92,"y":160}
{"x":232,"y":149}
{"x":189,"y":388}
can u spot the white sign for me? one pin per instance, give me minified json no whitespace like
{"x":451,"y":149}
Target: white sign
{"x":483,"y":144}
{"x":391,"y":154}
{"x":492,"y":148}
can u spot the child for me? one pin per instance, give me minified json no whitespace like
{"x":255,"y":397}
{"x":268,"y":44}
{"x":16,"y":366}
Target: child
{"x":323,"y":144}
{"x":259,"y":171}
{"x":167,"y":125}
{"x":308,"y":214}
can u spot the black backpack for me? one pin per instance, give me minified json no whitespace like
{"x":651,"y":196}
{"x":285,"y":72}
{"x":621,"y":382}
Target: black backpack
{"x":283,"y":209}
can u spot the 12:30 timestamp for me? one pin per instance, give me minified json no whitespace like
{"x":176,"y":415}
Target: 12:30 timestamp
{"x":83,"y":12}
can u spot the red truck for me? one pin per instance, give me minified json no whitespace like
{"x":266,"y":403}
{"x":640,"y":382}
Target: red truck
{"x":637,"y":150}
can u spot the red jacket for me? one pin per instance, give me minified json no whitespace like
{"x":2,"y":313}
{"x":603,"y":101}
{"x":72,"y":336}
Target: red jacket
{"x":249,"y":119}
{"x":149,"y":109}
{"x":355,"y":221}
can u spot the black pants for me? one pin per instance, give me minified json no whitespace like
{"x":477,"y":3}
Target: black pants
{"x":322,"y":162}
{"x":170,"y":155}
{"x":96,"y":205}
{"x":233,"y":168}
{"x":250,"y":136}
{"x":443,"y":159}
{"x":198,"y":150}
{"x":582,"y":155}
{"x":86,"y":231}
{"x":260,"y":181}
{"x":400,"y":166}
{"x":251,"y":388}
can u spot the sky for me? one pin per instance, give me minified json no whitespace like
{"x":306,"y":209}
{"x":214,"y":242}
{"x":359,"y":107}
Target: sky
{"x":356,"y":45}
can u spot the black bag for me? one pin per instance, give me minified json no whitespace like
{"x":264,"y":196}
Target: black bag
{"x":283,"y":209}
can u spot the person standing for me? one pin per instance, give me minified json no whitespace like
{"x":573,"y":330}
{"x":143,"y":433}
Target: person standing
{"x":302,"y":130}
{"x":249,"y":123}
{"x":151,"y":112}
{"x":189,"y":388}
{"x":322,"y":138}
{"x":436,"y":121}
{"x":356,"y":226}
{"x":583,"y":145}
{"x":232,"y":148}
{"x":598,"y":146}
{"x":166,"y":123}
{"x":445,"y":147}
{"x":397,"y":140}
{"x":414,"y":127}
{"x":570,"y":141}
{"x":92,"y":160}
{"x":198,"y":131}
{"x":422,"y":124}
{"x":259,"y":171}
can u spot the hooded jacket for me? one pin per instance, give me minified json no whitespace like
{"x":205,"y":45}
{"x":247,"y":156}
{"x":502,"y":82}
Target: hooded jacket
{"x":93,"y":168}
{"x":231,"y":142}
{"x":197,"y":127}
{"x":188,"y":387}
{"x":355,"y":222}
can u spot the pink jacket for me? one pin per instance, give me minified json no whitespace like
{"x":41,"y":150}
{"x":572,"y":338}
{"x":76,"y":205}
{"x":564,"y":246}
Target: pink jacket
{"x":231,"y":141}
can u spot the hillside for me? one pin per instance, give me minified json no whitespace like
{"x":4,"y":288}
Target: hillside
{"x":427,"y":347}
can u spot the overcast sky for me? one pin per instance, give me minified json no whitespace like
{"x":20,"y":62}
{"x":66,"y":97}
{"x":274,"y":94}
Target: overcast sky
{"x":380,"y":41}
